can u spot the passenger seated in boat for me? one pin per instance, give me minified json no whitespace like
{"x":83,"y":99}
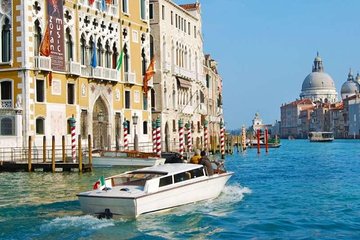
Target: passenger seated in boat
{"x":196,"y":158}
{"x":206,"y":163}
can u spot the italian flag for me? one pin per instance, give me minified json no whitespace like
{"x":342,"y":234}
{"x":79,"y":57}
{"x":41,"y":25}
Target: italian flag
{"x":99,"y":184}
{"x":120,"y":60}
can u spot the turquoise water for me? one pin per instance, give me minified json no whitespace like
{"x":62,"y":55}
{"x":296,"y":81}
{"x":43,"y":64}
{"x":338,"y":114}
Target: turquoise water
{"x":300,"y":191}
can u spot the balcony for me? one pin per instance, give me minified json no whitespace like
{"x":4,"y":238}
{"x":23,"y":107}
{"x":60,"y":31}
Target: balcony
{"x":166,"y":66}
{"x":130,"y":77}
{"x":42,"y":63}
{"x":100,"y":73}
{"x":73,"y":68}
{"x":7,"y":103}
{"x":184,"y":73}
{"x":202,"y":108}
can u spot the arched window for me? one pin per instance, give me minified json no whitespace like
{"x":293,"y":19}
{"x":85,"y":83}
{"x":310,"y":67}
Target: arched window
{"x":82,"y":49}
{"x":100,"y":53}
{"x":69,"y":45}
{"x":37,"y":37}
{"x":143,"y":61}
{"x":152,"y":47}
{"x":115,"y":56}
{"x":107,"y":55}
{"x":5,"y":41}
{"x":126,"y":58}
{"x":40,"y":126}
{"x":91,"y":50}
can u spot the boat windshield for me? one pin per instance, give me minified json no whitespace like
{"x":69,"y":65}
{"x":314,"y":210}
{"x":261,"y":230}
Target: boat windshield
{"x":136,"y":178}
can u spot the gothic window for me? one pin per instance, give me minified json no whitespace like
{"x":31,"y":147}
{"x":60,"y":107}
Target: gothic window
{"x":6,"y":94}
{"x":91,"y":49}
{"x":100,"y":53}
{"x":126,"y":59}
{"x":143,"y":61}
{"x":40,"y":125}
{"x":69,"y":45}
{"x":6,"y":41}
{"x":115,"y":56}
{"x":107,"y":56}
{"x":82,"y":49}
{"x":152,"y":47}
{"x":37,"y":37}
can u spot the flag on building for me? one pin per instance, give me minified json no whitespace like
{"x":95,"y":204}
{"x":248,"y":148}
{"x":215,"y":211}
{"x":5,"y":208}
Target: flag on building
{"x":120,"y":60}
{"x":148,"y":75}
{"x":91,"y":2}
{"x":108,"y":1}
{"x":45,"y":43}
{"x":93,"y":62}
{"x":99,"y":184}
{"x":103,"y":5}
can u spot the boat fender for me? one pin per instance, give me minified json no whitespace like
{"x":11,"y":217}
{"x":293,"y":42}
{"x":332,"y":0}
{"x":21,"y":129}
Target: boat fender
{"x":125,"y":189}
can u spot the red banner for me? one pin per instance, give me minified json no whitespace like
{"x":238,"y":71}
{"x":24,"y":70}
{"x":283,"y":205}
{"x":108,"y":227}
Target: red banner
{"x":56,"y":26}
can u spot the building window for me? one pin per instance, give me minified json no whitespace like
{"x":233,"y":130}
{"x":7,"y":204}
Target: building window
{"x":128,"y":126}
{"x":100,"y":52}
{"x":125,"y":6}
{"x":6,"y":94}
{"x":152,"y":100}
{"x":40,"y":126}
{"x":145,"y":127}
{"x":163,"y":12}
{"x":151,"y":11}
{"x":69,"y":45}
{"x":194,"y":31}
{"x":108,"y":61}
{"x":174,"y":125}
{"x":37,"y":37}
{"x":189,"y":30}
{"x":152,"y":47}
{"x":126,"y":59}
{"x":5,"y":41}
{"x":172,"y":18}
{"x":143,"y":62}
{"x":176,"y":20}
{"x":71,"y":93}
{"x":40,"y":90}
{"x":115,"y":56}
{"x":82,"y":49}
{"x":142,"y":10}
{"x":145,"y":102}
{"x":127,"y":99}
{"x":7,"y":125}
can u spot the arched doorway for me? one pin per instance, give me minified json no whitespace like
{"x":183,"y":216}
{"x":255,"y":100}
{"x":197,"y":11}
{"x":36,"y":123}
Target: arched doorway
{"x":100,"y":124}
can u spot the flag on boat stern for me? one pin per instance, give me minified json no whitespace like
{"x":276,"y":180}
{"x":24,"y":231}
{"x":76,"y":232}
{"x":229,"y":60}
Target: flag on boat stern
{"x":100,"y":184}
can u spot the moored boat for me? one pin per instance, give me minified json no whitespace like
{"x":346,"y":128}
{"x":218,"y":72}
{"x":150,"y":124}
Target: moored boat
{"x":153,"y":189}
{"x":321,"y":136}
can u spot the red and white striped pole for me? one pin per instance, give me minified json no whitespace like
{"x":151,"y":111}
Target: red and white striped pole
{"x":158,"y":137}
{"x":188,"y":128}
{"x":73,"y":138}
{"x":126,"y":143}
{"x":181,"y":138}
{"x":154,"y":135}
{"x":222,"y":139}
{"x":206,"y":135}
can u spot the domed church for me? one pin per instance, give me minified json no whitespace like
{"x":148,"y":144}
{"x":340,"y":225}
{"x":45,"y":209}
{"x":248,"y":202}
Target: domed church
{"x":318,"y":85}
{"x":350,"y":87}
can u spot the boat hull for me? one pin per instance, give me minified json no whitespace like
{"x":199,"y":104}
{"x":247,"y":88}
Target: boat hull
{"x":126,"y":161}
{"x":131,"y":207}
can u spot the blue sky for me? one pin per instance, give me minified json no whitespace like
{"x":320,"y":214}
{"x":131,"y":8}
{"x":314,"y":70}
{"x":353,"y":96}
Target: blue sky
{"x":265,"y":49}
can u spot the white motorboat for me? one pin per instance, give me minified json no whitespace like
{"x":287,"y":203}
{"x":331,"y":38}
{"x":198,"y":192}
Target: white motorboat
{"x":153,"y":189}
{"x":128,"y":158}
{"x":321,"y":136}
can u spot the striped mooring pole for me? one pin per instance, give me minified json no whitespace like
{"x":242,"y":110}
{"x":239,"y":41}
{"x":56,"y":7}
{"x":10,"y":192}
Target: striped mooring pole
{"x":73,"y":138}
{"x":126,"y":143}
{"x":222,"y":139}
{"x":154,"y":135}
{"x":158,"y":137}
{"x":206,"y":135}
{"x":189,"y":142}
{"x":181,"y":139}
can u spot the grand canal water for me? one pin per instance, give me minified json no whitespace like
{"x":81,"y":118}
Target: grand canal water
{"x":302,"y":190}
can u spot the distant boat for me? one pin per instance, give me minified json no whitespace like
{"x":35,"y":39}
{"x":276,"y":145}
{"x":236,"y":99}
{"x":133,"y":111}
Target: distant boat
{"x":272,"y":143}
{"x":321,"y":136}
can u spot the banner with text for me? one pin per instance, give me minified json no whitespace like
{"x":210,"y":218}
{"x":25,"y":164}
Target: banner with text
{"x":56,"y":25}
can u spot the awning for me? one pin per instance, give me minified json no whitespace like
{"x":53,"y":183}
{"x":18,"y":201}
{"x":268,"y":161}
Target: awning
{"x":183,"y":83}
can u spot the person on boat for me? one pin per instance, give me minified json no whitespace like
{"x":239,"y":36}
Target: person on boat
{"x":206,"y":163}
{"x":196,"y":158}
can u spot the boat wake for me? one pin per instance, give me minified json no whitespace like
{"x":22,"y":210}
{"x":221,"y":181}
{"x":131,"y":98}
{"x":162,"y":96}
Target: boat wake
{"x":86,"y":222}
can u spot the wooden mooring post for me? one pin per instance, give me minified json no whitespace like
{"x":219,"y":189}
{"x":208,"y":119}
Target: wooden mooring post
{"x":44,"y":149}
{"x":90,"y":151}
{"x":53,"y":154}
{"x":29,"y":154}
{"x":79,"y":153}
{"x":63,"y":149}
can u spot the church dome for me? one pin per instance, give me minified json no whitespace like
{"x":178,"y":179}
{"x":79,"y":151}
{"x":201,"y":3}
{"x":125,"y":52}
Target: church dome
{"x":350,"y":87}
{"x":318,"y":85}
